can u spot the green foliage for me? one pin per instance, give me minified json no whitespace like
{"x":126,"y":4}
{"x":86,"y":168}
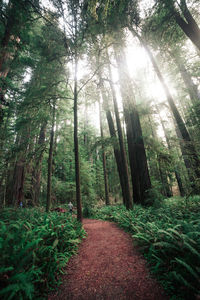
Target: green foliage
{"x":169,"y":238}
{"x":34,"y":248}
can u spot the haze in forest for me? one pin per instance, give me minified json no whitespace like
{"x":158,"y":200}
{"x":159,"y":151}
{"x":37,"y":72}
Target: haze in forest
{"x":100,"y":107}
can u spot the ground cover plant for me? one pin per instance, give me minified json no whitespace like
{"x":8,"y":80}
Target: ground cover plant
{"x":169,"y":238}
{"x":34,"y":248}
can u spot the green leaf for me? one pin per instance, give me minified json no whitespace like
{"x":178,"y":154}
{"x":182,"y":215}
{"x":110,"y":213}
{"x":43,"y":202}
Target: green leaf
{"x":55,"y":243}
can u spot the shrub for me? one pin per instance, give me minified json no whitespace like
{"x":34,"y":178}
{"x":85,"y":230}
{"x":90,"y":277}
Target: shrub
{"x":34,"y":248}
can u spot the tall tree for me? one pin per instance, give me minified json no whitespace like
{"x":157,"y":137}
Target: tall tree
{"x":104,"y":158}
{"x":190,"y":153}
{"x":137,"y":155}
{"x":50,"y":158}
{"x":121,"y":139}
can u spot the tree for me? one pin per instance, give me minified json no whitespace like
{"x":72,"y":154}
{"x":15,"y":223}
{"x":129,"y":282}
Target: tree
{"x":188,"y":146}
{"x":17,"y":17}
{"x":104,"y":158}
{"x":137,"y":156}
{"x":121,"y":139}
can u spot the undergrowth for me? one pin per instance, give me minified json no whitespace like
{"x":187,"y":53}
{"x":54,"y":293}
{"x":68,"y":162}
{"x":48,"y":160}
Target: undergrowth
{"x":169,"y":238}
{"x":34,"y":248}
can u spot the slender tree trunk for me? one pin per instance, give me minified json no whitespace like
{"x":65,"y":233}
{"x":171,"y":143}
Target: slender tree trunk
{"x":177,"y":174}
{"x":7,"y":54}
{"x":4,"y":52}
{"x":166,"y":191}
{"x":112,"y":131}
{"x":188,"y":24}
{"x":38,"y":165}
{"x":189,"y":84}
{"x":48,"y":204}
{"x":104,"y":159}
{"x":137,"y":155}
{"x":117,"y":154}
{"x":18,"y":181}
{"x":121,"y":143}
{"x":19,"y":169}
{"x":76,"y":146}
{"x":113,"y":135}
{"x":188,"y":146}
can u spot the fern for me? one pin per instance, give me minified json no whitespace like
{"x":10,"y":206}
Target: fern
{"x":171,"y":230}
{"x":188,"y":267}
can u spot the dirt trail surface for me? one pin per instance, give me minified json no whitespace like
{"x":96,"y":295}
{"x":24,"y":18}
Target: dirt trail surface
{"x":107,"y":267}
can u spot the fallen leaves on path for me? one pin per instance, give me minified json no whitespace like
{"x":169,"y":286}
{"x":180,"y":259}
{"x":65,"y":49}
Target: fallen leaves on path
{"x":107,"y":267}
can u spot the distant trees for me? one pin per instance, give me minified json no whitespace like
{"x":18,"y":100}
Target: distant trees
{"x":49,"y":151}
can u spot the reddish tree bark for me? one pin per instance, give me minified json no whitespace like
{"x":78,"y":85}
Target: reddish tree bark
{"x":137,"y":155}
{"x":104,"y":159}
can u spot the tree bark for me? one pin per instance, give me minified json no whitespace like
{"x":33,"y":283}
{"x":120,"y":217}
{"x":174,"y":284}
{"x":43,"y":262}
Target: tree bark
{"x":189,"y":84}
{"x":48,"y":204}
{"x":137,"y":155}
{"x":112,"y":131}
{"x":36,"y":176}
{"x":188,"y":146}
{"x":18,"y":181}
{"x":121,"y":143}
{"x":117,"y":154}
{"x":76,"y":145}
{"x":188,"y":24}
{"x":113,"y":135}
{"x":166,"y":191}
{"x":19,"y":167}
{"x":104,"y":159}
{"x":177,"y":174}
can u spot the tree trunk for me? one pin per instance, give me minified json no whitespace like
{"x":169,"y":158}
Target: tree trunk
{"x":112,"y":131}
{"x":166,"y":191}
{"x":121,"y":143}
{"x":38,"y":164}
{"x":113,"y":135}
{"x":117,"y":155}
{"x":177,"y":174}
{"x":18,"y":181}
{"x":76,"y":146}
{"x":188,"y":24}
{"x":19,"y":169}
{"x":7,"y":52}
{"x":48,"y":204}
{"x":189,"y":84}
{"x":137,"y":155}
{"x":104,"y":159}
{"x":188,"y":146}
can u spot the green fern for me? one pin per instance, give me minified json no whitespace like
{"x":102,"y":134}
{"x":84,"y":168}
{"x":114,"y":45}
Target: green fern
{"x":188,"y":267}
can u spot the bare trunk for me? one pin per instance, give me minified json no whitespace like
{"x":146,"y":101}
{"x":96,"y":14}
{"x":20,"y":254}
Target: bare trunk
{"x":137,"y":155}
{"x":117,"y":155}
{"x":48,"y":204}
{"x":38,"y":165}
{"x":121,"y":143}
{"x":165,"y":190}
{"x":112,"y":131}
{"x":188,"y":25}
{"x":76,"y":146}
{"x":190,"y":153}
{"x":104,"y":159}
{"x":19,"y":169}
{"x":177,"y":174}
{"x":18,"y":180}
{"x":189,"y":84}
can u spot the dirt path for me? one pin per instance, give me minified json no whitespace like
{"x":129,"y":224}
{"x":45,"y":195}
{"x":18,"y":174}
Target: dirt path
{"x":107,"y":268}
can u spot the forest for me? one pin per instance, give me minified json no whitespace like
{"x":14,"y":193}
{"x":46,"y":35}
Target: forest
{"x":99,"y":106}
